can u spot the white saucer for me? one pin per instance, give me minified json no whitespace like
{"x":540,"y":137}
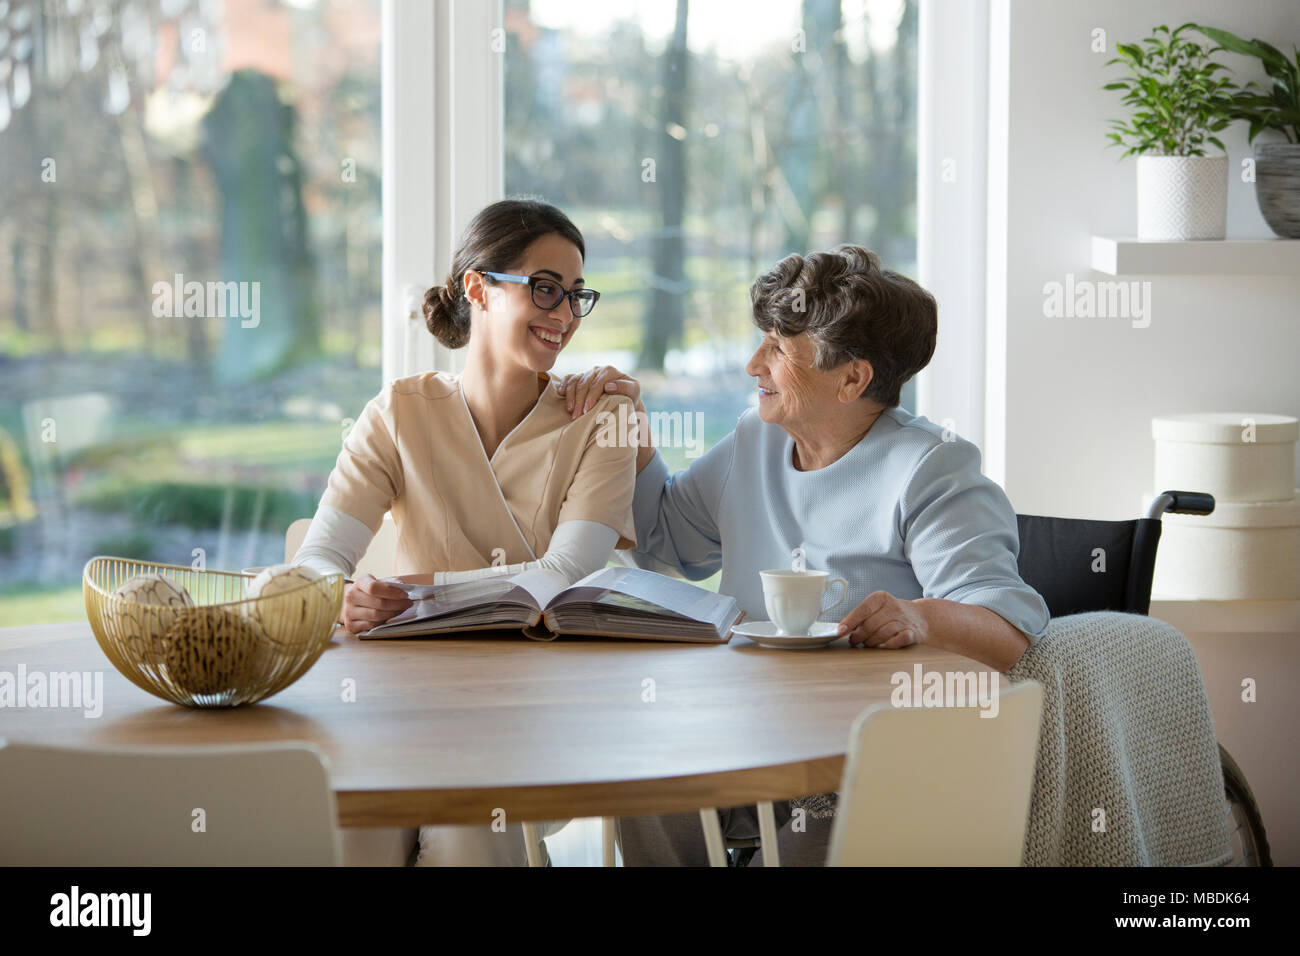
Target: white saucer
{"x":764,"y":634}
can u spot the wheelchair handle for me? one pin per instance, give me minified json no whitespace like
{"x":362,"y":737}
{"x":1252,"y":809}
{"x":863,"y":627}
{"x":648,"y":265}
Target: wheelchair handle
{"x":1181,"y":503}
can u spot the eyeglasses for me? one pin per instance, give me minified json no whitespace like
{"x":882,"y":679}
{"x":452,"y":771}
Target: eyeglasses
{"x":547,"y":293}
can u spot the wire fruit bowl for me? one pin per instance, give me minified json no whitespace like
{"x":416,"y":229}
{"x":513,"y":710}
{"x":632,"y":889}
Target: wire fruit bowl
{"x":208,"y":645}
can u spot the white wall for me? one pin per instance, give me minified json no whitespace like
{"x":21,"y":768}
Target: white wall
{"x":1067,"y":426}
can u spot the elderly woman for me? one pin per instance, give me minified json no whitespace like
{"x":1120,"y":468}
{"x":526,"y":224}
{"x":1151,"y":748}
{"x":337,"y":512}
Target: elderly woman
{"x":831,"y":464}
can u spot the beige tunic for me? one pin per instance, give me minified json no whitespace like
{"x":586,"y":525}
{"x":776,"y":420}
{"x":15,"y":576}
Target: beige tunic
{"x":415,"y":450}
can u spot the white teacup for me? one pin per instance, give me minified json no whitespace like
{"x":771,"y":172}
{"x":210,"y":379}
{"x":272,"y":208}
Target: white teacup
{"x":794,"y":599}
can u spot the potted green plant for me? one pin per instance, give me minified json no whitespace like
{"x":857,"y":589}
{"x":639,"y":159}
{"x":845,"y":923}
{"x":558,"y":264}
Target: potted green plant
{"x":1275,"y":111}
{"x":1177,"y":104}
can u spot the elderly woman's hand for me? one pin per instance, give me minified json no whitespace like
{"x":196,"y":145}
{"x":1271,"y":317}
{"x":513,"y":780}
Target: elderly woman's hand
{"x":583,"y":389}
{"x":885,"y":621}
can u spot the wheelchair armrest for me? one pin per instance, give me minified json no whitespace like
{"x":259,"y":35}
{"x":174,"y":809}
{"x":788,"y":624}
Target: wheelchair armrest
{"x":1181,"y":503}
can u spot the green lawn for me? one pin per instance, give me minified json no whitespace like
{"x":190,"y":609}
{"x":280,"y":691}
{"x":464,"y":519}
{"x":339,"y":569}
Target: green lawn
{"x":174,"y":452}
{"x":27,"y":603}
{"x":200,"y":475}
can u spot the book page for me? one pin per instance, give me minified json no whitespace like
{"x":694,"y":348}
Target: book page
{"x":530,"y":589}
{"x":542,"y":585}
{"x":651,"y":590}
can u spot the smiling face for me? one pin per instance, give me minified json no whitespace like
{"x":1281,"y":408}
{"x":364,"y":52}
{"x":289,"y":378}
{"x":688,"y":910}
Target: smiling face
{"x":509,"y":324}
{"x":793,"y":393}
{"x":790,"y":390}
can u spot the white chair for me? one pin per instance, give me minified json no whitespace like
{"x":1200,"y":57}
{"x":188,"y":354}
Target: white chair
{"x":939,"y":786}
{"x":265,"y":804}
{"x":927,"y":786}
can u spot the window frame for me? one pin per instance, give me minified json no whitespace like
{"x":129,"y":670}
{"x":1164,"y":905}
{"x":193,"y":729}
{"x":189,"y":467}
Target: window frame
{"x":443,"y":158}
{"x":953,"y":216}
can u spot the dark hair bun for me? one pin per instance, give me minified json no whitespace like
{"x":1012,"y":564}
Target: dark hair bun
{"x":446,"y":313}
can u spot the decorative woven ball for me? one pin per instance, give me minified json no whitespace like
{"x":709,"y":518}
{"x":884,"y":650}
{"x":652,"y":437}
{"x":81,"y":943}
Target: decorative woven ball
{"x":283,"y":618}
{"x":143,"y":628}
{"x":211,"y":650}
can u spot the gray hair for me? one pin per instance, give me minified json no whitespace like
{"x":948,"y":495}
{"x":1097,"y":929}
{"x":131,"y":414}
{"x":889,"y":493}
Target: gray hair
{"x":851,"y":308}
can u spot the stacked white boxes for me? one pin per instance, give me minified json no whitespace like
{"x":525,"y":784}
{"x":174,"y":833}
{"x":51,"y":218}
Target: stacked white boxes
{"x":1249,"y":548}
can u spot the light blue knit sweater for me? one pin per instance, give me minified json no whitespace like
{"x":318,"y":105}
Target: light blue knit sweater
{"x":903,"y":511}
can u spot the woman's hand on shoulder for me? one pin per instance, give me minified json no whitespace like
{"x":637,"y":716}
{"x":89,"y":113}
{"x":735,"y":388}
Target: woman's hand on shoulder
{"x":369,"y":602}
{"x":582,"y":390}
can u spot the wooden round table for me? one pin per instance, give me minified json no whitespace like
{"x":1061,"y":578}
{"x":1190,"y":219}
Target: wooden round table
{"x":444,"y":730}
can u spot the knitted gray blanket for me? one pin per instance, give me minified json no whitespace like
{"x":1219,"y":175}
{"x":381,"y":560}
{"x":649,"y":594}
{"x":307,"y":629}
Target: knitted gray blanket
{"x":1128,"y":770}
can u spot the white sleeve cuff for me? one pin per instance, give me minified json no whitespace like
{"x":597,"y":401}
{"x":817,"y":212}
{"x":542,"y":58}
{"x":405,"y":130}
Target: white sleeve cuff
{"x":577,"y":548}
{"x":335,"y":542}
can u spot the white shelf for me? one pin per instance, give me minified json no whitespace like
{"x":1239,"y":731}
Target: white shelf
{"x":1120,"y":255}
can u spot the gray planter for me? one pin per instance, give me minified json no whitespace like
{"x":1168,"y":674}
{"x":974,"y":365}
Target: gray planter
{"x":1277,"y":187}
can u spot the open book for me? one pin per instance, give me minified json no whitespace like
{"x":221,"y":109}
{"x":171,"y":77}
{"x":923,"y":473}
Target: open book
{"x":612,"y":602}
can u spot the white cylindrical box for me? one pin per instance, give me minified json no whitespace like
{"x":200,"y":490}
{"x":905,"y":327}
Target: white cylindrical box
{"x":1243,"y":551}
{"x":1235,"y":456}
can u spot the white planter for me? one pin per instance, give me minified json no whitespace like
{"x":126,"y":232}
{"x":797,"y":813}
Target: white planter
{"x":1182,"y":197}
{"x":1235,"y":456}
{"x":1242,"y":552}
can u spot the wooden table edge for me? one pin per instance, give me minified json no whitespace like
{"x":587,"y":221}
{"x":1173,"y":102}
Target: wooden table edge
{"x":616,"y":798}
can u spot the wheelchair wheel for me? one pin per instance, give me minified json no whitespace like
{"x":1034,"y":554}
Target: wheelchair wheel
{"x":1249,"y":842}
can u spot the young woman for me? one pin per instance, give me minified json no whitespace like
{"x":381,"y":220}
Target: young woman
{"x":485,"y":467}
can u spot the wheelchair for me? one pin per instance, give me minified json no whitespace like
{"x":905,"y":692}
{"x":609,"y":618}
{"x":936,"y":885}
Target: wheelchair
{"x":1055,"y":557}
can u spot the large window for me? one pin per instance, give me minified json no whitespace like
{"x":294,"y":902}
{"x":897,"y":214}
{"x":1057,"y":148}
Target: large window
{"x":192,"y":248}
{"x":190,"y":243}
{"x":695,"y":144}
